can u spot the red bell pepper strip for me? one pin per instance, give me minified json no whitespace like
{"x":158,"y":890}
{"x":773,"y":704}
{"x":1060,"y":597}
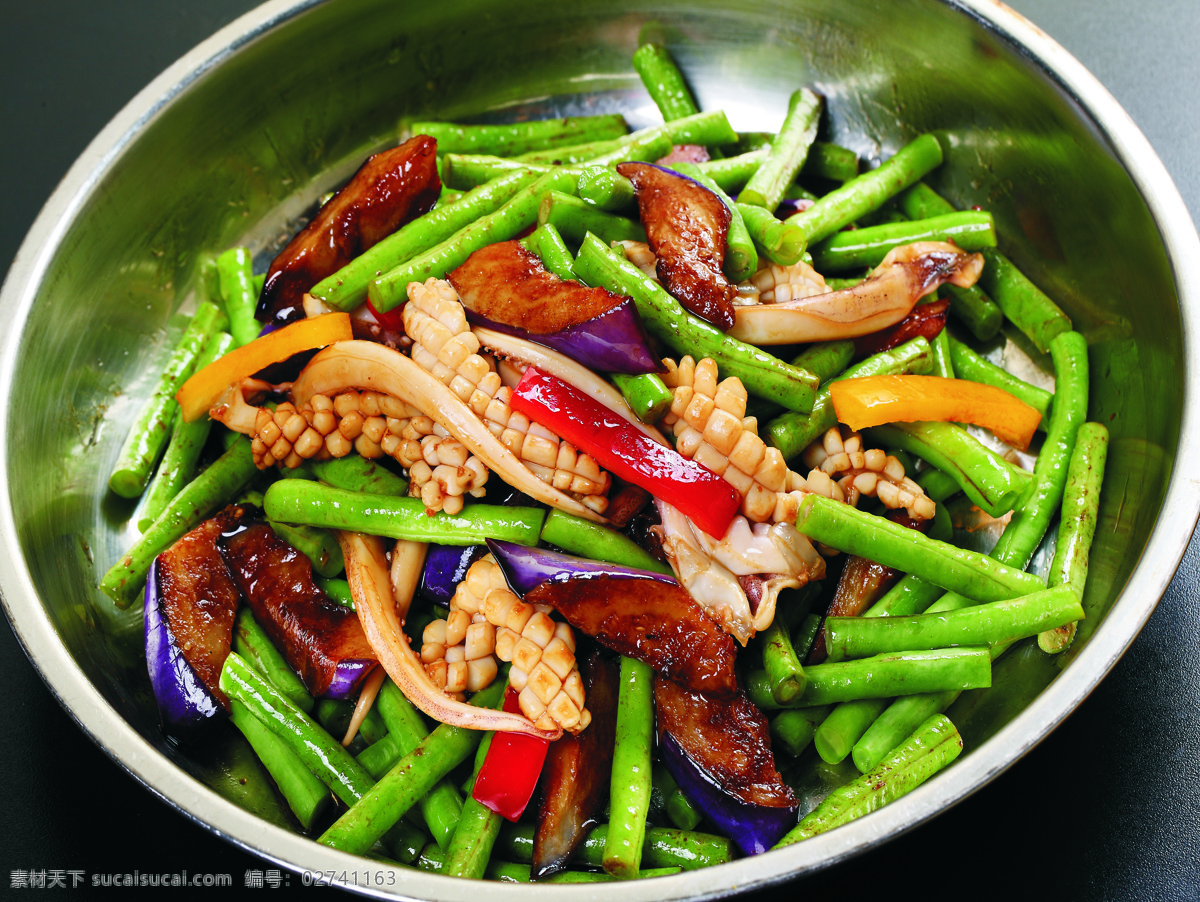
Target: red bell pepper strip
{"x":393,"y":320}
{"x":510,"y":771}
{"x":620,"y":447}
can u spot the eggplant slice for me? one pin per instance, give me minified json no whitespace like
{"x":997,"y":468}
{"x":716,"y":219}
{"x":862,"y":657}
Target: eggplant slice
{"x":322,"y":640}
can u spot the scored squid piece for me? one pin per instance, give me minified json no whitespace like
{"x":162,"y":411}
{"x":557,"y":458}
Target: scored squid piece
{"x":686,"y":227}
{"x":905,"y":276}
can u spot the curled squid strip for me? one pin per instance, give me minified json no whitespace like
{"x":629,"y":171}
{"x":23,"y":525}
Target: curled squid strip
{"x":382,"y":615}
{"x":367,"y":365}
{"x":905,"y":276}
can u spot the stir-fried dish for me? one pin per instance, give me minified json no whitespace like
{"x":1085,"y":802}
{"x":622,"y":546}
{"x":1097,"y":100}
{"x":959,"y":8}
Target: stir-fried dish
{"x":557,"y":488}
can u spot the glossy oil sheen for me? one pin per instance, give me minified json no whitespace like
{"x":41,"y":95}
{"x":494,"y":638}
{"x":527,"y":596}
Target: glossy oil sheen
{"x":237,"y":142}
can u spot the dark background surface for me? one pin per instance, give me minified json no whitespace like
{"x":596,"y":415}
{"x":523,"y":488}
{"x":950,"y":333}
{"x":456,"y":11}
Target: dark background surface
{"x":1108,"y":807}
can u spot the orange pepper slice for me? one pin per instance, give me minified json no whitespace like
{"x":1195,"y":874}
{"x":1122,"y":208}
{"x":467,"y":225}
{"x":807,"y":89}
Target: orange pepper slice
{"x":201,"y":391}
{"x":875,"y":400}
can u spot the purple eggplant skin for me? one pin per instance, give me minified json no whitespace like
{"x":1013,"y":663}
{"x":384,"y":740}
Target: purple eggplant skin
{"x":719,"y":752}
{"x":614,"y":341}
{"x":322,"y":640}
{"x":445,"y":567}
{"x":505,"y":287}
{"x":578,"y":771}
{"x":686,"y":227}
{"x":189,"y":611}
{"x":526,"y":568}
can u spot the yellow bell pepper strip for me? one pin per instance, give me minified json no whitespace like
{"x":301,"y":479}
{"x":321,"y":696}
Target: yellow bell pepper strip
{"x":875,"y":400}
{"x":624,"y":450}
{"x":201,"y":391}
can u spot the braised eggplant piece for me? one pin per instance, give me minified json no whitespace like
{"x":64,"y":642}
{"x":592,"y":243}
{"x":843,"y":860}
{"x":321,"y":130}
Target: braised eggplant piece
{"x":506,"y":288}
{"x":719,"y":752}
{"x":685,"y":153}
{"x":578,"y":771}
{"x":389,"y":189}
{"x":925,"y":319}
{"x":656,"y":622}
{"x":320,"y":638}
{"x":686,"y":225}
{"x":190,"y":606}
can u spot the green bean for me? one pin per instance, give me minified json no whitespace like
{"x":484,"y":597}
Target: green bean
{"x":1080,"y":508}
{"x":1042,"y":500}
{"x":707,"y":129}
{"x":788,"y":152}
{"x":348,"y":287}
{"x":791,"y":433}
{"x":335,"y":716}
{"x":830,"y":161}
{"x":224,"y":478}
{"x":641,"y":147}
{"x":806,"y":634}
{"x":883,"y":676}
{"x":606,"y":188}
{"x":318,"y":545}
{"x":476,"y":831}
{"x":988,"y":479}
{"x":732,"y":173}
{"x":646,"y":394}
{"x":937,"y":485}
{"x":307,"y":796}
{"x":235,"y":277}
{"x":826,"y":359}
{"x":518,"y":212}
{"x":970,"y":365}
{"x":357,"y":474}
{"x":442,"y":806}
{"x":845,"y":725}
{"x":664,"y":847}
{"x":890,"y":728}
{"x":781,"y":664}
{"x":943,"y":363}
{"x":868,"y":191}
{"x":974,"y":308}
{"x":571,"y":155}
{"x":761,"y":374}
{"x":976,"y":625}
{"x":933,"y":746}
{"x":402,"y":787}
{"x":793,"y":730}
{"x":447,"y":197}
{"x":1025,"y":305}
{"x":251,"y":641}
{"x":312,"y":504}
{"x":780,"y":242}
{"x":337,"y":589}
{"x":145,"y":441}
{"x":942,"y":527}
{"x":574,"y":218}
{"x":433,"y":859}
{"x":848,"y":251}
{"x":182,"y":456}
{"x":664,"y":81}
{"x":972,"y":574}
{"x":520,"y":137}
{"x":741,"y":259}
{"x":682,"y":812}
{"x":547,"y":243}
{"x":600,"y":543}
{"x":630,"y":788}
{"x":465,"y":171}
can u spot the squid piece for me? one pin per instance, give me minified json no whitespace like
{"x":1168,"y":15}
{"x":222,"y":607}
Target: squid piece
{"x":905,"y":276}
{"x":738,"y":579}
{"x":382,"y":611}
{"x":367,"y":365}
{"x":388,"y":190}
